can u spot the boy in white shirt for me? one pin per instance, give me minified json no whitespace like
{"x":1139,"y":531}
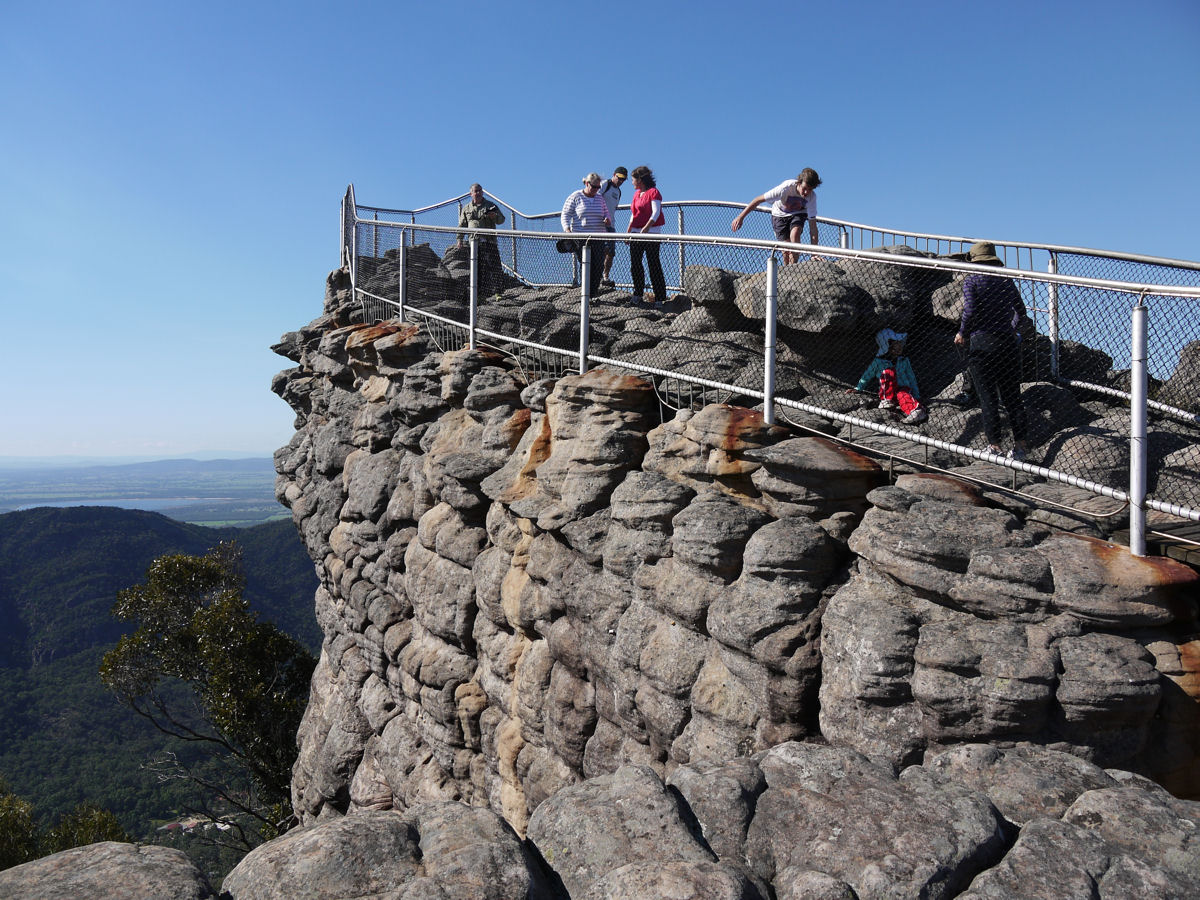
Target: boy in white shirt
{"x":793,"y":202}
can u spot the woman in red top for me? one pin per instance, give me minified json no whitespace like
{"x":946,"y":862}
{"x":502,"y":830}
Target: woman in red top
{"x":646,"y":218}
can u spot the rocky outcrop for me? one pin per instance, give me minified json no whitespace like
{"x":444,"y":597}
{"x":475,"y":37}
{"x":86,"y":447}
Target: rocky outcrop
{"x":108,"y":870}
{"x":800,"y":820}
{"x":442,"y":850}
{"x":706,"y":655}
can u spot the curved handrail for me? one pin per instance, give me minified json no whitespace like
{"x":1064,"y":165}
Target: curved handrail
{"x":1125,"y":287}
{"x":843,"y":224}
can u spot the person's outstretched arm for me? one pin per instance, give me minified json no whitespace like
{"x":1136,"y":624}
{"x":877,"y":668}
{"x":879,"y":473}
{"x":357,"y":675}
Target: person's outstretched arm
{"x":741,"y":217}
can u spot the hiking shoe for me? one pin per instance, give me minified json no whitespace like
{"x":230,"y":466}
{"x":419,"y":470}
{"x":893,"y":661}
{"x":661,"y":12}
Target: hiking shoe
{"x":887,"y":404}
{"x":917,"y":415}
{"x":1016,"y":454}
{"x":964,"y":399}
{"x":607,"y":282}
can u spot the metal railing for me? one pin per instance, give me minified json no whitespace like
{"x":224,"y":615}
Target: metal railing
{"x":1106,"y":374}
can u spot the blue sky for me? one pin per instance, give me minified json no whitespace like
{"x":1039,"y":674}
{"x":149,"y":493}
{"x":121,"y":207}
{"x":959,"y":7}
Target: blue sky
{"x":171,"y":172}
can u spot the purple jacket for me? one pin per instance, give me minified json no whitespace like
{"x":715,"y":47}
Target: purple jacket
{"x":991,"y":303}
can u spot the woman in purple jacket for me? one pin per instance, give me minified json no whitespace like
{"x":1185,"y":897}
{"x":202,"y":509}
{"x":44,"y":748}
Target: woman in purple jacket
{"x":992,"y":312}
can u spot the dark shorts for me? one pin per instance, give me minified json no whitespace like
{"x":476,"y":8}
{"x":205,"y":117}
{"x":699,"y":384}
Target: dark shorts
{"x":784,"y":224}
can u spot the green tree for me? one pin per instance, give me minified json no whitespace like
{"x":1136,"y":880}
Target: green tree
{"x":202,"y":668}
{"x":22,"y":841}
{"x":86,"y":824}
{"x":18,"y":830}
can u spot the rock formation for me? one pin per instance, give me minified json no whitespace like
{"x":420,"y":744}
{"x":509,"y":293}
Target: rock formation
{"x":109,"y":870}
{"x":576,"y":649}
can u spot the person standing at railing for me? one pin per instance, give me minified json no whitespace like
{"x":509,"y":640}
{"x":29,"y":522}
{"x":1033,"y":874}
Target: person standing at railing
{"x":993,"y":311}
{"x":610,"y":190}
{"x":646,"y":217}
{"x":481,"y":212}
{"x":792,"y":203}
{"x":585,"y":212}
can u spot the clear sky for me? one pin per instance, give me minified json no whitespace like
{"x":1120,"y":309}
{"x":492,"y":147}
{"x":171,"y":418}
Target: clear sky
{"x":170,"y":172}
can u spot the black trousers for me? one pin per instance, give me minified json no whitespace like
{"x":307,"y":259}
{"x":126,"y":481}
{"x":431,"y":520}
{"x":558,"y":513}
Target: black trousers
{"x":491,"y":270}
{"x":597,"y":264}
{"x":648,"y":249}
{"x":995,"y":363}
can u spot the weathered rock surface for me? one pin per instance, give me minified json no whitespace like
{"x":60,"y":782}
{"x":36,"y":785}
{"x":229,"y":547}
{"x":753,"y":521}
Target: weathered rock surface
{"x":107,"y":871}
{"x":704,"y":655}
{"x":444,"y":850}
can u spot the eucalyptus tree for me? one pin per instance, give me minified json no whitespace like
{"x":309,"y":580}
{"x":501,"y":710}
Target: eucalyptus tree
{"x":202,"y":668}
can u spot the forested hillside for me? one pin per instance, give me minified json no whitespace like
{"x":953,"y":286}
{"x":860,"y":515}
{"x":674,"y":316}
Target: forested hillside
{"x":63,"y":739}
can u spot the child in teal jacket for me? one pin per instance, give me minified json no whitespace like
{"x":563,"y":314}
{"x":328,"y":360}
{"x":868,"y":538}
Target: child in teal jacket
{"x":897,"y":380}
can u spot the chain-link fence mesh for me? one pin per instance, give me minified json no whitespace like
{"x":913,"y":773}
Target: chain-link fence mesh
{"x":1056,"y":387}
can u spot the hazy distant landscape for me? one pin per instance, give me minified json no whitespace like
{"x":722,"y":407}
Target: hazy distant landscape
{"x":71,"y":537}
{"x":220,"y":492}
{"x":64,"y":739}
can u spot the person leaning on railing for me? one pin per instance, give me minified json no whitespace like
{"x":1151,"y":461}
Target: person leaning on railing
{"x":483,"y":213}
{"x":993,"y":311}
{"x":793,"y":202}
{"x":585,"y":211}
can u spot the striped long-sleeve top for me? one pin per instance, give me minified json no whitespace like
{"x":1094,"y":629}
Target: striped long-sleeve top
{"x":584,"y":213}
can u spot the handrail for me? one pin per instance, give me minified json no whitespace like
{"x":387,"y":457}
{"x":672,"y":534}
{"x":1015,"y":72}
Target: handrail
{"x":1126,"y":287}
{"x":843,"y":224}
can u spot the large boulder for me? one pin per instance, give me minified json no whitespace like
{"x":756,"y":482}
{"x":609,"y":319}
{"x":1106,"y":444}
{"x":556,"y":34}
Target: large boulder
{"x":814,"y":296}
{"x":442,"y":850}
{"x":1182,"y":388}
{"x":107,"y":871}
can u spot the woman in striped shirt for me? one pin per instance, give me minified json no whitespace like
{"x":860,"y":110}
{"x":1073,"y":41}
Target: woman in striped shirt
{"x":586,"y":212}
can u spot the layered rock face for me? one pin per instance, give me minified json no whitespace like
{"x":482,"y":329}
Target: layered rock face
{"x":705,"y":654}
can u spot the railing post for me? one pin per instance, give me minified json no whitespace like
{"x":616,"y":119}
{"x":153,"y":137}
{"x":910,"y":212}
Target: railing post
{"x":682,"y":249}
{"x":474,"y":290}
{"x":512,"y":224}
{"x":375,"y":238}
{"x":1052,"y":313}
{"x":772,"y":302}
{"x":402,"y":294}
{"x":843,"y":238}
{"x":585,"y":300}
{"x":1137,"y":431}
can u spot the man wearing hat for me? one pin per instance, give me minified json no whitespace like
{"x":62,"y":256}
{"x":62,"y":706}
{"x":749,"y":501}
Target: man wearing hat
{"x":483,"y":213}
{"x":610,"y":190}
{"x":992,"y":314}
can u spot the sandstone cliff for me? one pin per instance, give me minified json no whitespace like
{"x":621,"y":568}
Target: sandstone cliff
{"x":707,"y":651}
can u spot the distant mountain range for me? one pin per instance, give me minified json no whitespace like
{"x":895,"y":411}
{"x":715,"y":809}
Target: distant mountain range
{"x":207,"y":492}
{"x":75,"y":462}
{"x":63,"y":739}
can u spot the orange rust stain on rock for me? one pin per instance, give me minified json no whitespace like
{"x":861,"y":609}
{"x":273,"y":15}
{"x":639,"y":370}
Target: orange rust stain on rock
{"x":517,"y":425}
{"x":740,"y":420}
{"x":855,"y":458}
{"x":1189,"y":658}
{"x":613,"y":381}
{"x":947,"y":484}
{"x":361,"y":335}
{"x":1159,"y":569}
{"x":539,"y":451}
